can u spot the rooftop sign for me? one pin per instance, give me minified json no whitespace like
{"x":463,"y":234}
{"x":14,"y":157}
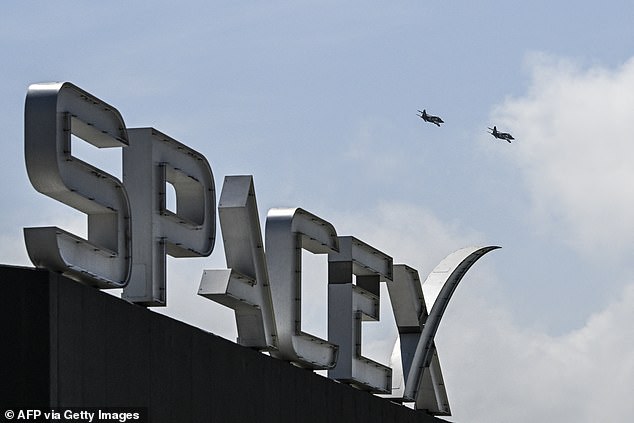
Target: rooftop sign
{"x":131,"y":230}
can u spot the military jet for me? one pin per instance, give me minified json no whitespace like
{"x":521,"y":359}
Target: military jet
{"x":501,"y":135}
{"x":429,"y":118}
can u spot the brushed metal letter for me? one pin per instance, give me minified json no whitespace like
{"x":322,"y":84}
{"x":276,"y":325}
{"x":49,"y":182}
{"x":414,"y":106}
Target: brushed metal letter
{"x":349,"y":304}
{"x":423,"y":371}
{"x":410,"y":313}
{"x":288,"y":231}
{"x":152,"y":160}
{"x":244,"y":286}
{"x":53,"y":112}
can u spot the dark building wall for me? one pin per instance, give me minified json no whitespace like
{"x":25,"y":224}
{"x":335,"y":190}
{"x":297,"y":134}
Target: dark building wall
{"x":68,"y":345}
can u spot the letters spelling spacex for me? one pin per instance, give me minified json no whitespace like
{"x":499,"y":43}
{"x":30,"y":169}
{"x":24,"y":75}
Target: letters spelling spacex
{"x":131,"y":230}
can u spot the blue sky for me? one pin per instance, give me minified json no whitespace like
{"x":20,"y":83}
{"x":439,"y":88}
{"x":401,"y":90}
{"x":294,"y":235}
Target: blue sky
{"x":318,"y":101}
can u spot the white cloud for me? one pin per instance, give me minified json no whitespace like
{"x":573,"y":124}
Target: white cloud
{"x":498,"y":372}
{"x":411,"y":234}
{"x":575,"y":143}
{"x":495,"y":371}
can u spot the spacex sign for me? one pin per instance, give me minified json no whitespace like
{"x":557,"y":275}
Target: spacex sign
{"x":131,"y":230}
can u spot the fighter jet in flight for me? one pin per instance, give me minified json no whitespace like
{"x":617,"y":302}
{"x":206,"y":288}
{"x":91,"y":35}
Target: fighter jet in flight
{"x":501,"y":135}
{"x":429,"y":118}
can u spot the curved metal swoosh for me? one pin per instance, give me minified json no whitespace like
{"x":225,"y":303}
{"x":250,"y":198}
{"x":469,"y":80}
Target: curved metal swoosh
{"x":440,"y":286}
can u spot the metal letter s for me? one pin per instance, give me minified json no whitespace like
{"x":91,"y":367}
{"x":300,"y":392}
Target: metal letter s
{"x":53,"y":112}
